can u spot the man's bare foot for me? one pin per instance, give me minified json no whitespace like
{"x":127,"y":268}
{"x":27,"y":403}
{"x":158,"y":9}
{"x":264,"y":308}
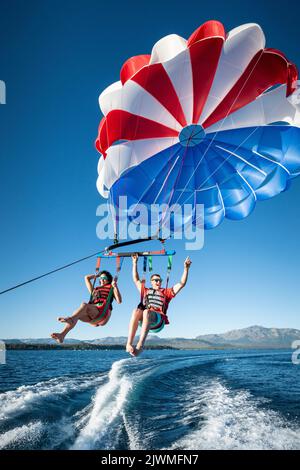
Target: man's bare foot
{"x":139,"y":349}
{"x":130,"y":349}
{"x":69,"y":320}
{"x":59,"y":337}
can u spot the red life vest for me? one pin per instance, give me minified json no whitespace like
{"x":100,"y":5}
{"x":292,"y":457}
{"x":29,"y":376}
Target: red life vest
{"x":101,"y":293}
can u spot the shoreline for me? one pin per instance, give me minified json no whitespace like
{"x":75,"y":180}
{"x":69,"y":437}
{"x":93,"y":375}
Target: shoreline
{"x":89,"y":347}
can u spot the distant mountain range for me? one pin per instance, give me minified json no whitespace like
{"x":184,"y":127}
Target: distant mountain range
{"x":255,"y":336}
{"x":251,"y":337}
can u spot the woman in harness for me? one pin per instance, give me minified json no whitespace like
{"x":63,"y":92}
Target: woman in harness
{"x":97,"y":312}
{"x":152,"y":310}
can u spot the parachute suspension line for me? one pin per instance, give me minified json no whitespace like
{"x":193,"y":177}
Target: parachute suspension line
{"x":171,"y":155}
{"x":116,"y":234}
{"x":111,"y":205}
{"x":163,"y":190}
{"x":95,"y":277}
{"x":220,"y":129}
{"x":113,"y":214}
{"x":122,"y":183}
{"x":116,"y":240}
{"x":158,"y":234}
{"x":221,"y":164}
{"x":176,"y":180}
{"x":172,"y":165}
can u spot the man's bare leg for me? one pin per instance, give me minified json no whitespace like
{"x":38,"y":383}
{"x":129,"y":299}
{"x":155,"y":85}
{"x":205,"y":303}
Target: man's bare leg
{"x":144,"y":331}
{"x":137,"y":315}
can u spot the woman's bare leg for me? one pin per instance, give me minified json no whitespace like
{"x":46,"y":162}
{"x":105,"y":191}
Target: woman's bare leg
{"x":82,"y":313}
{"x":79,"y":314}
{"x":103,"y":322}
{"x":137,"y":315}
{"x":144,"y":331}
{"x":59,"y":337}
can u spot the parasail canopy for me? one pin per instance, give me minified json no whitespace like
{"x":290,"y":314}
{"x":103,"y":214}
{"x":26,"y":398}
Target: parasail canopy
{"x":212,"y":120}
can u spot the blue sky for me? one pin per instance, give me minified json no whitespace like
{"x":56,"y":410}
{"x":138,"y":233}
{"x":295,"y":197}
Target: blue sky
{"x":55,"y":58}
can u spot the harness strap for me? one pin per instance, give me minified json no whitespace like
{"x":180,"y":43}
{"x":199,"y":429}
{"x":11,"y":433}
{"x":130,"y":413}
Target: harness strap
{"x":119,"y":263}
{"x":169,"y":267}
{"x":144,"y":266}
{"x":143,"y":279}
{"x":98,"y":262}
{"x":170,"y":261}
{"x":142,"y":291}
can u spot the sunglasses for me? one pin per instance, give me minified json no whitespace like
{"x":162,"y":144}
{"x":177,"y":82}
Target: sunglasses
{"x":104,"y":278}
{"x":156,"y":279}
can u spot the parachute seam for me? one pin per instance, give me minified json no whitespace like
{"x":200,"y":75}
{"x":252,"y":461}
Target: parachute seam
{"x":243,"y":159}
{"x":273,"y":161}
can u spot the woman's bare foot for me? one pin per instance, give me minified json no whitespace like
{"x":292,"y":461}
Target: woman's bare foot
{"x":69,"y":320}
{"x":59,"y":337}
{"x":130,"y":349}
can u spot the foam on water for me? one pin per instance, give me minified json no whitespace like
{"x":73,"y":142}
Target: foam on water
{"x":133,"y":434}
{"x":25,"y":401}
{"x":24,"y":435}
{"x":15,"y":402}
{"x":231,"y":419}
{"x":108,"y":404}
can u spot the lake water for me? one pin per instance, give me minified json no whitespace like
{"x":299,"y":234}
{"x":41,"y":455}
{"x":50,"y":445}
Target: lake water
{"x":229,"y":399}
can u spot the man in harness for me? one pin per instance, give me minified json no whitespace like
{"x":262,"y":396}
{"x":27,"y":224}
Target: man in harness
{"x":151,"y":312}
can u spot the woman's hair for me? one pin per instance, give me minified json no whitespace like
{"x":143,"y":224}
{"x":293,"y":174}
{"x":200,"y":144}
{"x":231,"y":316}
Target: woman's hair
{"x":108,"y":275}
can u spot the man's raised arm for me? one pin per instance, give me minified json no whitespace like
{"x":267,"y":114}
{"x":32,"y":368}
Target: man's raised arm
{"x":135,"y":274}
{"x":184,"y":276}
